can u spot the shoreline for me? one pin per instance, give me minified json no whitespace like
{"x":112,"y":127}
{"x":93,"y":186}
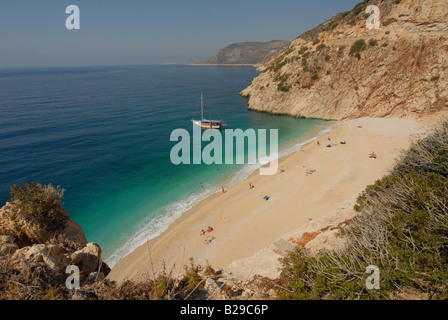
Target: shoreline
{"x":237,"y":177}
{"x":245,"y":224}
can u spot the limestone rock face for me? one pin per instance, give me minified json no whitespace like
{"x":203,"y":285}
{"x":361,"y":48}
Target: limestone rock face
{"x":88,"y":258}
{"x":348,"y":71}
{"x":50,"y":255}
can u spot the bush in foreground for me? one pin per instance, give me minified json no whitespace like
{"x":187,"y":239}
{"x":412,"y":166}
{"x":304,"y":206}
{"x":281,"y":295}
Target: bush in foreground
{"x":40,"y":205}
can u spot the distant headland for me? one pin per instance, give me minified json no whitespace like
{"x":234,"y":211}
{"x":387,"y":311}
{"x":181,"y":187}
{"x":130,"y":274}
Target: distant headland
{"x":245,"y":54}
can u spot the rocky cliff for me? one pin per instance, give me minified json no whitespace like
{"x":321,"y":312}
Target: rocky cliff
{"x":251,"y":53}
{"x":35,"y":252}
{"x":341,"y":69}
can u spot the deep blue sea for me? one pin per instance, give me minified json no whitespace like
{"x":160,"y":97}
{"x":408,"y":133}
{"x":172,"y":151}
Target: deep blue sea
{"x":103,"y":134}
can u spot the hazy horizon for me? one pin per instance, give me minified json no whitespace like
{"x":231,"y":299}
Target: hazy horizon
{"x":141,"y":33}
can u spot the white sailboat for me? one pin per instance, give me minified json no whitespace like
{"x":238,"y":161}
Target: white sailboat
{"x":207,"y":124}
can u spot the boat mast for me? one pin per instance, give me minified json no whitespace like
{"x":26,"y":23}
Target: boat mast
{"x":202,"y":110}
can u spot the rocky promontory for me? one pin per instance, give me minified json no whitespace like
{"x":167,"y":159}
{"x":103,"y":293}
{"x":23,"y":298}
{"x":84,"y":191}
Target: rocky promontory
{"x":246,"y":53}
{"x":343,"y":70}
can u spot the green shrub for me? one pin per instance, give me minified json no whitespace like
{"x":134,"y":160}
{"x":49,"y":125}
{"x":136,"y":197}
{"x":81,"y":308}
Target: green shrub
{"x":283,"y":88}
{"x":373,"y":42}
{"x":280,"y":63}
{"x":360,"y":7}
{"x":358,"y":47}
{"x":289,"y":50}
{"x":192,"y":277}
{"x":282,"y":78}
{"x":333,"y":26}
{"x":303,"y":50}
{"x":40,"y":205}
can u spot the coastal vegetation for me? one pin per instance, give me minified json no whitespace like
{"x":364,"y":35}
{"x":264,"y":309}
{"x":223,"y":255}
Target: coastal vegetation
{"x":401,"y":227}
{"x":357,"y":48}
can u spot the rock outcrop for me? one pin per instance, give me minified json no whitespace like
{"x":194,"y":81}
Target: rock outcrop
{"x":27,"y":246}
{"x":343,"y":70}
{"x":250,"y":53}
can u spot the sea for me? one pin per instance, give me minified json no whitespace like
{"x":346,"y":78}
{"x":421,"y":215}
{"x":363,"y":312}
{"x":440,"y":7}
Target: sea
{"x":104,"y":135}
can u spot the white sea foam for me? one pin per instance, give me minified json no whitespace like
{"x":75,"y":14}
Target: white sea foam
{"x":157,"y":223}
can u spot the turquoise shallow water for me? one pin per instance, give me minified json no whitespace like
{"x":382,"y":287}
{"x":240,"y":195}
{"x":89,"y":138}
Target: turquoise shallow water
{"x":103,"y":134}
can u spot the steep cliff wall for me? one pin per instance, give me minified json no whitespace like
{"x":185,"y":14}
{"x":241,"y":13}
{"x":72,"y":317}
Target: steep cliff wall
{"x":344,"y":70}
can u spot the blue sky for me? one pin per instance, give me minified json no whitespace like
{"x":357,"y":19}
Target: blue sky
{"x":33,"y":33}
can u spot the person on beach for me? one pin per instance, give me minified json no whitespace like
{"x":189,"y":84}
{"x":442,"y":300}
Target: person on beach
{"x":202,"y":232}
{"x":251,"y":186}
{"x":282,"y":169}
{"x":210,"y":229}
{"x":223,"y":191}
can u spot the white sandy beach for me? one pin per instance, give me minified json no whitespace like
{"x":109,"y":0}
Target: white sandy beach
{"x":245,"y":224}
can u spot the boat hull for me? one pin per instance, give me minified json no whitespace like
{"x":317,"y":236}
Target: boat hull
{"x":207,"y":125}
